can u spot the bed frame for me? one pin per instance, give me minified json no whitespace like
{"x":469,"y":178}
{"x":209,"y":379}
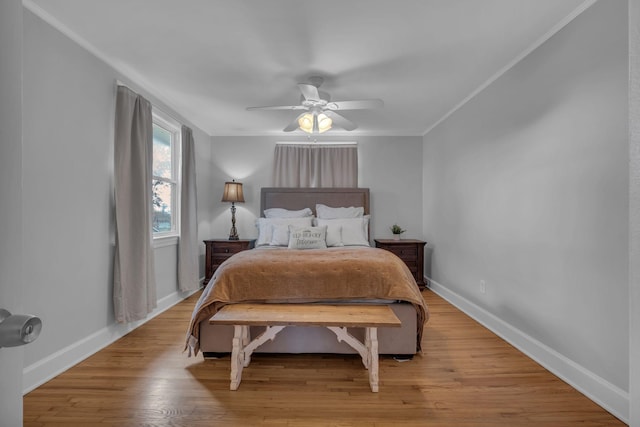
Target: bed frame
{"x":216,"y":339}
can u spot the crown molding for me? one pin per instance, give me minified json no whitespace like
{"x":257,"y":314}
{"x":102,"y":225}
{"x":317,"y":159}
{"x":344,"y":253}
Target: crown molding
{"x":127,"y":73}
{"x":563,"y":23}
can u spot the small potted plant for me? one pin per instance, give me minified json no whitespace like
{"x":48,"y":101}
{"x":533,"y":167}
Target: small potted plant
{"x":397,"y":231}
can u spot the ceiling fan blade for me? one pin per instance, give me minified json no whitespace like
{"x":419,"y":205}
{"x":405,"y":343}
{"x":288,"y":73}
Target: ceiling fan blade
{"x":363,"y":104}
{"x":294,"y":124}
{"x":310,"y":92}
{"x":340,"y":121}
{"x":278,"y":107}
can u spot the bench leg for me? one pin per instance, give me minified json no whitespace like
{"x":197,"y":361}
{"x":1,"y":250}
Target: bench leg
{"x":245,"y":336}
{"x":237,"y":355}
{"x":343,"y":336}
{"x":268,"y":334}
{"x":371,"y":342}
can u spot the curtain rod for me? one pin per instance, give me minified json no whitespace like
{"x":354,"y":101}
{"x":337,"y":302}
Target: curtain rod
{"x":316,"y":143}
{"x":121,"y":83}
{"x":153,"y":106}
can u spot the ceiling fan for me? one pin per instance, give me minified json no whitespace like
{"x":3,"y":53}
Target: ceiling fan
{"x":320,"y":113}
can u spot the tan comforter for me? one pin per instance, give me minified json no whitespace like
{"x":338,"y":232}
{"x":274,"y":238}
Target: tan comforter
{"x":296,"y":276}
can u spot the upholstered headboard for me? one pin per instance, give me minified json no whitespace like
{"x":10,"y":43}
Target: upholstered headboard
{"x":300,"y":198}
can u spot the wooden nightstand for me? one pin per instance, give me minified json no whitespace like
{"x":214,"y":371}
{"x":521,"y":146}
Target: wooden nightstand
{"x":218,"y":250}
{"x":410,"y":251}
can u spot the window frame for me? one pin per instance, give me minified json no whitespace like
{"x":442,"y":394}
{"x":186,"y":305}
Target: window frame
{"x":161,"y":119}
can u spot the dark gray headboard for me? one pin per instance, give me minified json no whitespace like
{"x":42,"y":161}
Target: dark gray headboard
{"x":300,"y":198}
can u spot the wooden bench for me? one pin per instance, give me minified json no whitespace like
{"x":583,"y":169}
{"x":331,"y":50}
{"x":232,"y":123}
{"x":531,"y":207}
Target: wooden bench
{"x":276,"y":317}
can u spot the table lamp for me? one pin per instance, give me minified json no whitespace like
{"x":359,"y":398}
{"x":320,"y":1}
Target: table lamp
{"x":233,"y":193}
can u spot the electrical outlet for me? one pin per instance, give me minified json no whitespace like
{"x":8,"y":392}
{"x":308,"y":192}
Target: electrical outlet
{"x":483,"y":287}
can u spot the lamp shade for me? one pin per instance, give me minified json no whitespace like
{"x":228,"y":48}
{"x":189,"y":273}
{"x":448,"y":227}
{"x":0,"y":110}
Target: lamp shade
{"x":315,"y":121}
{"x":324,"y":122}
{"x":233,"y":192}
{"x":306,"y":122}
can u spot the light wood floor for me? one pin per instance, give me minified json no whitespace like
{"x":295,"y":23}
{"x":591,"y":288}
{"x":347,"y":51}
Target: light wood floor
{"x":467,"y":376}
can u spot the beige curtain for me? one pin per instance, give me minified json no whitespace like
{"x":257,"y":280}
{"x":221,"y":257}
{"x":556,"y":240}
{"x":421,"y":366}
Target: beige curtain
{"x":188,"y":268}
{"x":134,"y":284}
{"x":315,"y":165}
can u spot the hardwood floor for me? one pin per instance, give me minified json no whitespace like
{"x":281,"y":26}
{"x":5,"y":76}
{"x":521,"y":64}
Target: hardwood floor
{"x":466,"y":376}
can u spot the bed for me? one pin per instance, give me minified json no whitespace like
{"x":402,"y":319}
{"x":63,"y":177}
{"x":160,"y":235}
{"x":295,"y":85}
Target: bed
{"x":274,"y":273}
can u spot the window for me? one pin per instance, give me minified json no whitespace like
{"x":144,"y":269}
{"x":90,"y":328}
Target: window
{"x":165,"y":183}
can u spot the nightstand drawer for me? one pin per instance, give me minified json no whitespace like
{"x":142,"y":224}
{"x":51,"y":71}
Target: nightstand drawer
{"x":414,"y":271}
{"x":228,"y":248}
{"x":406,"y":252}
{"x":411,"y":263}
{"x":216,"y":260}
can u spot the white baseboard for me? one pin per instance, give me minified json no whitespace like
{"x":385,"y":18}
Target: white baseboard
{"x":602,"y":392}
{"x":45,"y":369}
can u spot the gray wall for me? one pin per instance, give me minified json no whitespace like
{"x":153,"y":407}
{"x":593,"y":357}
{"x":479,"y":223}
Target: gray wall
{"x":69,"y":101}
{"x":526,"y":187}
{"x":390,"y":166}
{"x":11,"y":280}
{"x":634,"y":210}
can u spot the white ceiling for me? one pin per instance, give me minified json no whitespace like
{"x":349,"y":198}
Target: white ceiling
{"x":210,"y":59}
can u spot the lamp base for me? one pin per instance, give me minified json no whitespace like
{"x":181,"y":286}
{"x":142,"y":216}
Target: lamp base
{"x":233,"y":234}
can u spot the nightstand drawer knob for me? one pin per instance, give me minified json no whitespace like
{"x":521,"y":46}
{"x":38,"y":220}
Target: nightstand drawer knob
{"x":226,"y":250}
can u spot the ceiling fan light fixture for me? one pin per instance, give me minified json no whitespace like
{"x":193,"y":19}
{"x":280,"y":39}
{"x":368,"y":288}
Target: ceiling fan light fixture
{"x":324,"y":122}
{"x":306,"y":122}
{"x":320,"y":113}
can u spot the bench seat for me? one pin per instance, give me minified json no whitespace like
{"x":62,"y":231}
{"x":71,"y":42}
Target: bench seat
{"x":276,"y":317}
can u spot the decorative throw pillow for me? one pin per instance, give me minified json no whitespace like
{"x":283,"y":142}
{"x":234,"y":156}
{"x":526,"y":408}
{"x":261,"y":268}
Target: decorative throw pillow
{"x":327,"y":212}
{"x":307,"y":237}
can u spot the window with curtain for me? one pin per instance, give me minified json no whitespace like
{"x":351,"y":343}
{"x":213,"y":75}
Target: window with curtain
{"x":149,"y":180}
{"x":315,"y":165}
{"x":166,"y":179}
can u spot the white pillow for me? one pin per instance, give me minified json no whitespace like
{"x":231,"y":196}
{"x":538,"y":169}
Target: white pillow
{"x":285,"y":213}
{"x":307,"y":237}
{"x":327,"y":212}
{"x":354,"y":231}
{"x":365,"y":226}
{"x":334,"y":231}
{"x":265,"y":228}
{"x":280,"y":235}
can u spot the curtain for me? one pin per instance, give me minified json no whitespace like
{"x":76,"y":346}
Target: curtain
{"x":188,"y":267}
{"x":134,"y":283}
{"x":315,"y":165}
